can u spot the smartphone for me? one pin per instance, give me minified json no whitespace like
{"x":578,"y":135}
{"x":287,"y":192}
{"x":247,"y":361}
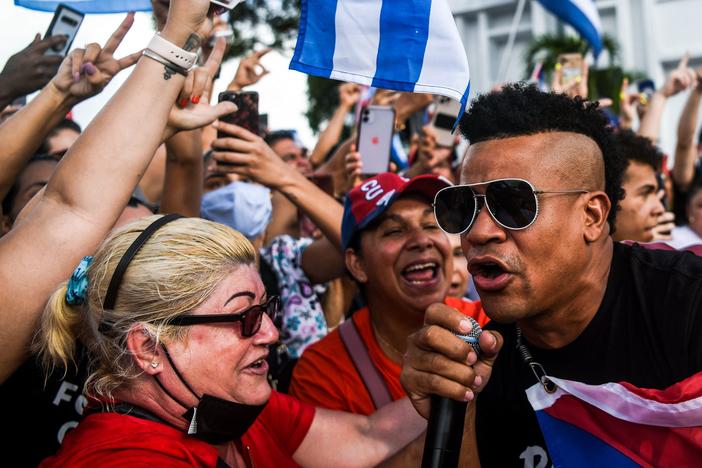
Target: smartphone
{"x":375,"y":130}
{"x":246,"y":115}
{"x":443,"y":119}
{"x":66,"y":22}
{"x":571,"y":68}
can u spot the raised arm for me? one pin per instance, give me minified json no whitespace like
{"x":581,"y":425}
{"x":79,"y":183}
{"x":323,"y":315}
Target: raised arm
{"x":182,"y":187}
{"x":685,"y":150}
{"x":679,"y":80}
{"x":91,"y":185}
{"x":349,"y":94}
{"x":24,"y":132}
{"x":248,"y":155}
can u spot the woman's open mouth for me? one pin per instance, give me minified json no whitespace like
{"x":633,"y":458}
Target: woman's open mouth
{"x":258,"y":367}
{"x":422,"y":274}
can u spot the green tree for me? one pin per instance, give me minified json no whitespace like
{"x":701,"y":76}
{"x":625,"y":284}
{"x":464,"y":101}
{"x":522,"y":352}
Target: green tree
{"x":264,"y":23}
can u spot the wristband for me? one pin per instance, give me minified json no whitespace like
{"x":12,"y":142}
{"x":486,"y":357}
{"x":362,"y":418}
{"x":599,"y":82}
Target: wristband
{"x":172,"y":53}
{"x":169,"y":65}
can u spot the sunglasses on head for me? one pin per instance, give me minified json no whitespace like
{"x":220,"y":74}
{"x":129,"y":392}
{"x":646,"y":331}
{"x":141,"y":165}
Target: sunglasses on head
{"x":512,"y":203}
{"x":250,"y":319}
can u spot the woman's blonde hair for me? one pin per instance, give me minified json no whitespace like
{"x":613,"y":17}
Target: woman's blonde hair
{"x":174,"y":272}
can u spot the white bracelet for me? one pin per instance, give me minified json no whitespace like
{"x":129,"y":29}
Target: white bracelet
{"x":174,"y":54}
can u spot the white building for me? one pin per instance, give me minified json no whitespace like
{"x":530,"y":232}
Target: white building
{"x":652,"y":34}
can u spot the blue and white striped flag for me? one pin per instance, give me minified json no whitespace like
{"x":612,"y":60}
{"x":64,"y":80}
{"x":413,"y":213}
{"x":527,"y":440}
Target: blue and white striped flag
{"x":582,"y":15}
{"x":405,"y":45}
{"x":89,"y":6}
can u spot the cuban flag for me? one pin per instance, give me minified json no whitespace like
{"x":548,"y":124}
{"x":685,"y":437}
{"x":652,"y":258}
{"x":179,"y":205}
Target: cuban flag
{"x":617,"y":424}
{"x":582,"y":15}
{"x":88,"y":6}
{"x":405,"y":45}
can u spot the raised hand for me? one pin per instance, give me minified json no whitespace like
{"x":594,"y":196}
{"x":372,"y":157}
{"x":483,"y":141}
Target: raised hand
{"x":29,"y":69}
{"x":85,"y":72}
{"x":193,"y":109}
{"x":627,"y":105}
{"x":349,"y":94}
{"x":577,"y":88}
{"x":250,"y":71}
{"x":679,"y":79}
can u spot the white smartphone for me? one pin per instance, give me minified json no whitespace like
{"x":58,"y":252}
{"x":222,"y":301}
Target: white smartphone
{"x":443,"y":119}
{"x":226,"y":3}
{"x":375,"y":130}
{"x":66,"y":22}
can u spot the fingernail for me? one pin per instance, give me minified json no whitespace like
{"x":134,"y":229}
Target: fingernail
{"x":478,"y":381}
{"x":464,"y":326}
{"x":622,"y":96}
{"x":215,"y":124}
{"x":469,"y":396}
{"x":183,"y":102}
{"x":76,"y":76}
{"x":195,"y":99}
{"x":89,"y":69}
{"x":558,"y":66}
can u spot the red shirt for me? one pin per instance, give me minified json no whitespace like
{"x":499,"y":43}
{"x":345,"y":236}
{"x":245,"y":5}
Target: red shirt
{"x":326,"y":376}
{"x":112,"y":439}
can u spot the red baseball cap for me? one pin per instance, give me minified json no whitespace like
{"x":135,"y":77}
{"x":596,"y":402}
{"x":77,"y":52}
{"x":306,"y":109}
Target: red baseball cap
{"x":375,"y":195}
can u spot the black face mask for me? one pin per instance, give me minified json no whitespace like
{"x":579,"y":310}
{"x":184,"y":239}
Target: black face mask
{"x":214,"y":420}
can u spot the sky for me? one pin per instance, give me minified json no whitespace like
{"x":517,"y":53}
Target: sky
{"x":282,"y":93}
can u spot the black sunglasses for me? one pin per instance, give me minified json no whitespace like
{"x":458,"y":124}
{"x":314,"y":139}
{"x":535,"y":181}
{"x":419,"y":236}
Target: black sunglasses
{"x":250,"y":319}
{"x":512,"y":203}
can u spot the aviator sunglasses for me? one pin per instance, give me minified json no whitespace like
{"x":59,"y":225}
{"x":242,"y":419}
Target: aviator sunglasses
{"x":512,"y":203}
{"x":250,"y":319}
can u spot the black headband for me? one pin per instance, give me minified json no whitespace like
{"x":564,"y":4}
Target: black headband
{"x":111,"y":296}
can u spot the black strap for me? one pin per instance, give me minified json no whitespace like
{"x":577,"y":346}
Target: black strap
{"x":373,"y":381}
{"x":111,"y":295}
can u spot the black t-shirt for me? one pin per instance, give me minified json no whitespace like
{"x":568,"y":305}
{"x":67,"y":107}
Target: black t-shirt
{"x":38,"y":416}
{"x":647,"y":331}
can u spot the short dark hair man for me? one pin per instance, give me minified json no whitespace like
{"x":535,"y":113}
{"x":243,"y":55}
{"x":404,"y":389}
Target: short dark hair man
{"x":641,"y":209}
{"x":587,"y":308}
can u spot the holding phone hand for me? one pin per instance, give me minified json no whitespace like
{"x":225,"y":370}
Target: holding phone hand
{"x":29,"y":69}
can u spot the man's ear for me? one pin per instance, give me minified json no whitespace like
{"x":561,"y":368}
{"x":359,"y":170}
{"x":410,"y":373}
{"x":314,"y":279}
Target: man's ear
{"x":144,"y":349}
{"x":597,"y":210}
{"x":355,"y":264}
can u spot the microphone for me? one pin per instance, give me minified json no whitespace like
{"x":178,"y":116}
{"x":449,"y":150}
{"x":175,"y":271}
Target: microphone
{"x":442,"y":446}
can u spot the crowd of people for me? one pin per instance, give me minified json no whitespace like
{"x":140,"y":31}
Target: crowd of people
{"x":182,"y":291}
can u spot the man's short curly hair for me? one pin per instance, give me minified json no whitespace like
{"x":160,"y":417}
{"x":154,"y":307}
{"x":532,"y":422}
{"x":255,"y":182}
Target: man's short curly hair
{"x":633,"y":147}
{"x":521,"y":109}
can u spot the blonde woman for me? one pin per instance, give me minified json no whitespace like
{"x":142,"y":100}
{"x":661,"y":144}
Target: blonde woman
{"x":176,"y":325}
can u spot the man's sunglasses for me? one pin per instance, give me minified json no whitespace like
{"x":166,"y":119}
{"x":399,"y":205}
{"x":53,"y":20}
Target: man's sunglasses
{"x":250,"y":319}
{"x":512,"y":203}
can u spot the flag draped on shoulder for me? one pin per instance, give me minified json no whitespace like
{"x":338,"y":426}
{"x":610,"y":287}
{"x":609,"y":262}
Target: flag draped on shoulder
{"x":88,"y":6}
{"x":404,"y":45}
{"x":617,"y":424}
{"x":582,"y":15}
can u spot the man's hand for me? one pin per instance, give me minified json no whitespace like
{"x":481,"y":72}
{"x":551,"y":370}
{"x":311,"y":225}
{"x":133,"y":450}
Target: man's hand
{"x":249,"y":72}
{"x":29,"y":69}
{"x":627,"y":105}
{"x":349,"y":94}
{"x":664,"y":228}
{"x":246,"y":154}
{"x":85,"y":72}
{"x":437,"y":362}
{"x":679,"y":79}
